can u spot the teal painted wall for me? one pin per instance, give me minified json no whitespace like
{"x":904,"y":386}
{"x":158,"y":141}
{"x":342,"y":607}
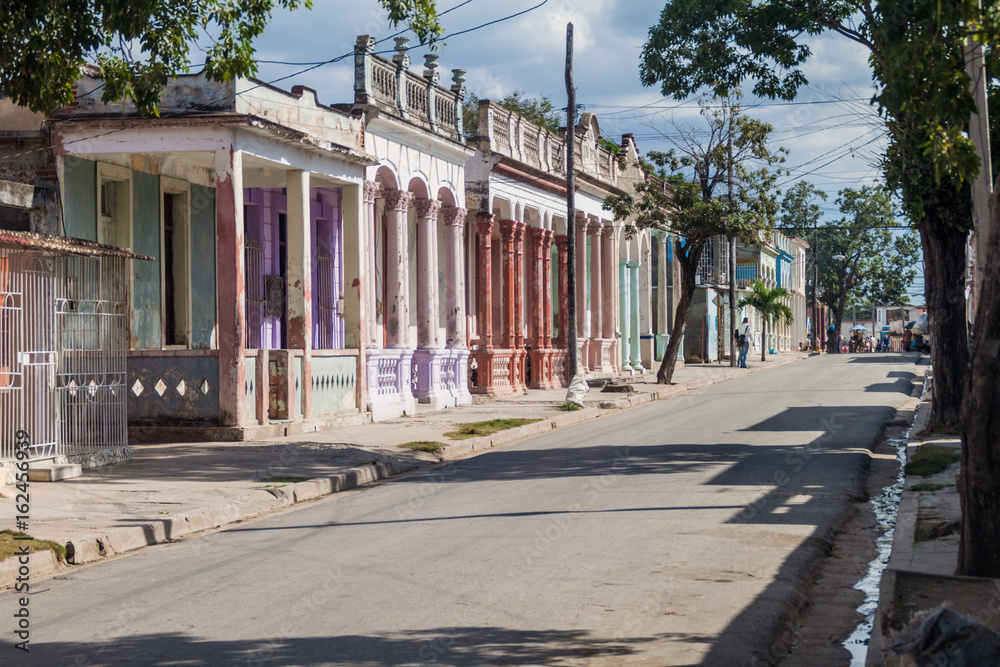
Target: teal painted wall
{"x":203,"y":287}
{"x":80,"y":198}
{"x":146,"y":325}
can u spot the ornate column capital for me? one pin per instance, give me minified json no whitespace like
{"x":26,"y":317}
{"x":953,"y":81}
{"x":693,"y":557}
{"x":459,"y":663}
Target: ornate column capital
{"x":608,"y":232}
{"x":371,"y":189}
{"x":484,"y":226}
{"x":561,"y":240}
{"x":594,"y":228}
{"x":507,"y":228}
{"x":397,"y":200}
{"x":453,"y":215}
{"x":427,"y":208}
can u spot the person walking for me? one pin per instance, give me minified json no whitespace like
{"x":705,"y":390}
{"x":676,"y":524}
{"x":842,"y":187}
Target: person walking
{"x":744,"y":337}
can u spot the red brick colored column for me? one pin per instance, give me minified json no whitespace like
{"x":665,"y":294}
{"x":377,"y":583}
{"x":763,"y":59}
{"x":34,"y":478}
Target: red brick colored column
{"x":484,"y":229}
{"x":546,"y":289}
{"x":537,"y":289}
{"x":509,"y":269}
{"x":561,"y":241}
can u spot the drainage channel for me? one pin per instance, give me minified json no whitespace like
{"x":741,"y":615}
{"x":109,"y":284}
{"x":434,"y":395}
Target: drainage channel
{"x":886,"y":507}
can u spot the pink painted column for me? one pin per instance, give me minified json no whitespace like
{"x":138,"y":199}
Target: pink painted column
{"x":484,"y":229}
{"x":596,"y":303}
{"x":547,"y":289}
{"x":396,"y":303}
{"x":520,"y":231}
{"x":298,"y":290}
{"x":371,"y":189}
{"x":537,"y":289}
{"x":232,"y":304}
{"x":454,"y":298}
{"x":509,"y":296}
{"x":427,"y":283}
{"x":561,"y":242}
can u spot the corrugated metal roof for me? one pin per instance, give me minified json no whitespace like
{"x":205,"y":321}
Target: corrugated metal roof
{"x":66,"y":245}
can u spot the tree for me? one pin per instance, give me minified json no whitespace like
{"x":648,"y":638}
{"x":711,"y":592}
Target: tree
{"x":539,"y":111}
{"x":770,"y":302}
{"x":692,"y":208}
{"x":916,"y":56}
{"x":875,"y":264}
{"x":799,"y":213}
{"x":140,"y":45}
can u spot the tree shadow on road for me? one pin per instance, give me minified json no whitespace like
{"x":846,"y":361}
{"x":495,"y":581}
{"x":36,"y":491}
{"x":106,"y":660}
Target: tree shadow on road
{"x":449,"y":646}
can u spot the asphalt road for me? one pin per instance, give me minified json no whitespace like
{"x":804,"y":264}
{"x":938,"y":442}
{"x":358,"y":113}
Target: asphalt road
{"x":677,"y":533}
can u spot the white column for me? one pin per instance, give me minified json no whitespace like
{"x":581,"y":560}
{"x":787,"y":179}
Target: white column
{"x":427,"y":271}
{"x":396,"y":316}
{"x":455,"y":322}
{"x":298,"y":284}
{"x":633,"y":284}
{"x":596,"y":283}
{"x":368,"y":243}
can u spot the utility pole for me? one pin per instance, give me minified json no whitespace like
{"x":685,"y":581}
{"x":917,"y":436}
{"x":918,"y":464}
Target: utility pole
{"x":570,"y":207}
{"x":732,"y":251}
{"x":815,"y":317}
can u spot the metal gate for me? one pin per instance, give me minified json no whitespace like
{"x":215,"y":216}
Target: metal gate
{"x":62,"y":352}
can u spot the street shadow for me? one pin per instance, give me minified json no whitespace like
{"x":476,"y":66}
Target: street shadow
{"x":449,"y":646}
{"x":833,"y":418}
{"x":882,"y":357}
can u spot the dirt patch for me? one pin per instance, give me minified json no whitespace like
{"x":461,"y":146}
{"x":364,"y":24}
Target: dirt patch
{"x":831,"y":615}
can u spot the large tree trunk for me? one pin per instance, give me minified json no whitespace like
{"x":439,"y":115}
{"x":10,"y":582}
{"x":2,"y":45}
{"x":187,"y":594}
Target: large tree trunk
{"x":689,"y":264}
{"x":944,"y":280}
{"x":979,"y":483}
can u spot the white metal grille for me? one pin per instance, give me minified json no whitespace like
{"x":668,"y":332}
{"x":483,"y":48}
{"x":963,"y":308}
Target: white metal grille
{"x":62,"y":352}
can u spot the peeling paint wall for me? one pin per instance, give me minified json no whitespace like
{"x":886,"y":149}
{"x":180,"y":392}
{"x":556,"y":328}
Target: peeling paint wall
{"x":196,"y":401}
{"x":80,"y":198}
{"x":204,"y":310}
{"x":147,"y":328}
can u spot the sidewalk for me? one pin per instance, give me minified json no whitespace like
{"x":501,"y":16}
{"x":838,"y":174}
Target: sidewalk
{"x":920,"y":572}
{"x":170,"y":491}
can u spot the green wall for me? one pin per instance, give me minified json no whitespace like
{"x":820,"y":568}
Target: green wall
{"x":203,"y":286}
{"x":80,"y":200}
{"x":146,"y":326}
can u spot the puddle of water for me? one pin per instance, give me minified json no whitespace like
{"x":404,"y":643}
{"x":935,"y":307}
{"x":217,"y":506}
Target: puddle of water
{"x":886,"y":506}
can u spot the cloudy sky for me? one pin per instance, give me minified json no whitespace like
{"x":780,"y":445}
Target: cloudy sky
{"x":832,"y":134}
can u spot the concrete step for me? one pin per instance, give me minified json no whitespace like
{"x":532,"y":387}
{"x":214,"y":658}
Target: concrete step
{"x":54,"y":472}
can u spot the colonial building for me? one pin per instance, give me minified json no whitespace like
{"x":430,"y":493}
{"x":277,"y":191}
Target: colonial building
{"x":248,"y":320}
{"x":413,"y":233}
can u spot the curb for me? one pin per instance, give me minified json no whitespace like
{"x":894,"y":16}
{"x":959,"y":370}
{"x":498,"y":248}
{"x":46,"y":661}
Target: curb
{"x":123,"y":540}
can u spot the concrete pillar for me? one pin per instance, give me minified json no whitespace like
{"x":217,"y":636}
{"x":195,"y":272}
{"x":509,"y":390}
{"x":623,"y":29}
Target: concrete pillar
{"x":368,"y":266}
{"x":397,"y":320}
{"x":633,"y":283}
{"x":623,"y":305}
{"x":484,"y":229}
{"x":509,"y":297}
{"x":538,"y":285}
{"x":561,"y":242}
{"x":596,"y":283}
{"x":547,"y":289}
{"x":231,"y":297}
{"x":607,"y":291}
{"x":357,"y":280}
{"x":454,"y":298}
{"x":520,"y":231}
{"x":298,"y":281}
{"x":427,"y":273}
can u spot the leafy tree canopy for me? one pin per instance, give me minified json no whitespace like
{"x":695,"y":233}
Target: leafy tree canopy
{"x":877,"y":265}
{"x":140,"y":44}
{"x":539,"y":111}
{"x":799,"y":210}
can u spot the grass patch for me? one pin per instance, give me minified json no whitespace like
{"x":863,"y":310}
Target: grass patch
{"x":476,"y":429}
{"x":568,"y":407}
{"x":931,"y":459}
{"x":430,"y":446}
{"x":929,"y":487}
{"x":10,"y":545}
{"x":284,"y":480}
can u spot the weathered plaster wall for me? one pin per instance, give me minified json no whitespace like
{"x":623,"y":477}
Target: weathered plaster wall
{"x":204,"y":310}
{"x":196,"y":401}
{"x":146,"y":284}
{"x":80,"y":200}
